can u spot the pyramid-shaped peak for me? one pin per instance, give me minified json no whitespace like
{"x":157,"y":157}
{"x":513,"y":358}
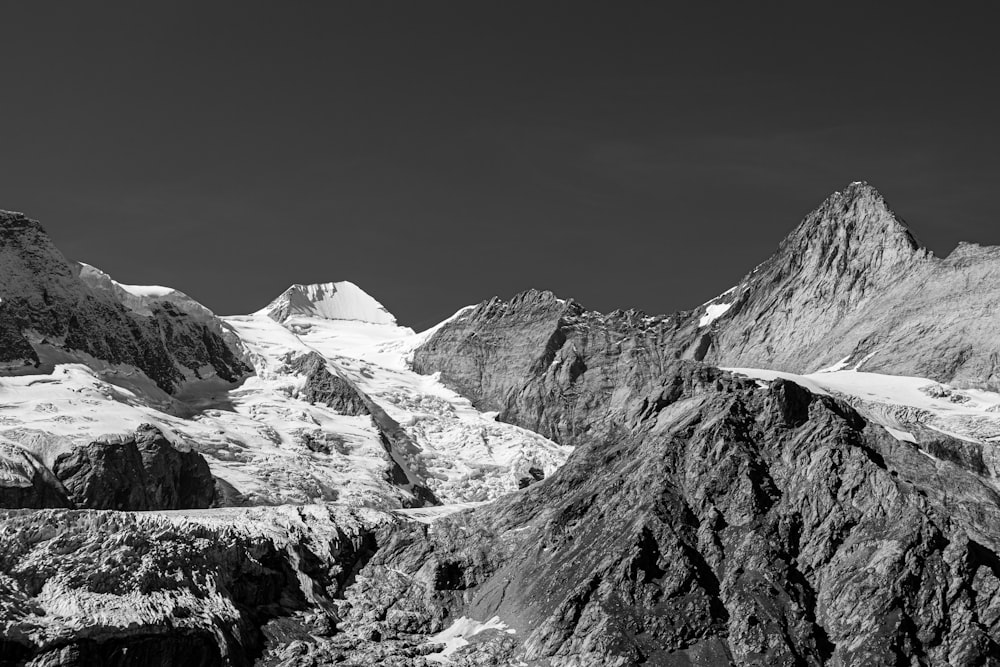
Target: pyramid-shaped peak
{"x":341,"y":300}
{"x":857,"y":215}
{"x":858,"y":193}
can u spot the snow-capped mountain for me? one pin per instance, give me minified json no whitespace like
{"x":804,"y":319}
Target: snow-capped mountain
{"x":541,"y":484}
{"x":331,"y":301}
{"x":286,"y":433}
{"x":853,"y":281}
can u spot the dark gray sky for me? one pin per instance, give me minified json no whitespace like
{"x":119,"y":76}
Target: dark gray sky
{"x":627,"y":154}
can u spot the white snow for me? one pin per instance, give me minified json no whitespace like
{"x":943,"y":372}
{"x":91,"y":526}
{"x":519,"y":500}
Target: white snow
{"x":894,"y":400}
{"x":470,"y":455}
{"x":727,"y":292}
{"x":332,"y":301}
{"x":255,"y":436}
{"x":864,"y":360}
{"x":713,"y":312}
{"x":148,"y":291}
{"x":902,"y":436}
{"x":839,"y":366}
{"x":457,"y":636}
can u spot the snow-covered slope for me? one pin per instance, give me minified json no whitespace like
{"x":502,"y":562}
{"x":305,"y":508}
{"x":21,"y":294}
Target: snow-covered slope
{"x":332,"y":301}
{"x":468,"y":455}
{"x":269,"y":439}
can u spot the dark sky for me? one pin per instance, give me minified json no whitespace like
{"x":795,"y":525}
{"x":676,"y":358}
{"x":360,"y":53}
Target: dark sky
{"x":627,"y":154}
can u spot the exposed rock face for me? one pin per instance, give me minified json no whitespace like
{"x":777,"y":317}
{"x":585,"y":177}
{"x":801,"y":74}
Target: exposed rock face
{"x":140,"y":472}
{"x":109,"y":588}
{"x":44,"y":300}
{"x":703,"y":519}
{"x":851,"y":283}
{"x":142,"y":299}
{"x":548,"y":364}
{"x":708,"y":520}
{"x":324,"y":387}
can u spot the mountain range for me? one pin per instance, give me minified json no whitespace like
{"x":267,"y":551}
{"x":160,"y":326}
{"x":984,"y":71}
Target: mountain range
{"x":800,"y":471}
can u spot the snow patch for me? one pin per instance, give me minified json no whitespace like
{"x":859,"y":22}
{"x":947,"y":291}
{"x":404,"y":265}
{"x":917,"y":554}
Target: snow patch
{"x":902,"y":436}
{"x":839,"y":366}
{"x":727,"y":292}
{"x":713,"y":312}
{"x":457,"y":636}
{"x":147,"y":291}
{"x":864,"y":361}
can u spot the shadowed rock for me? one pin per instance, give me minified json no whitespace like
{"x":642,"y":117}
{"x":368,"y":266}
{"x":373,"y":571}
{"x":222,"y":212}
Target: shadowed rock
{"x":143,"y":471}
{"x":42,"y":294}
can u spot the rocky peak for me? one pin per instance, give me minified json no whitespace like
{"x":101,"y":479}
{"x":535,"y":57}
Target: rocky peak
{"x":844,"y":256}
{"x":854,"y":229}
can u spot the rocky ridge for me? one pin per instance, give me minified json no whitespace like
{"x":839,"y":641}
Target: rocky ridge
{"x":852,"y":284}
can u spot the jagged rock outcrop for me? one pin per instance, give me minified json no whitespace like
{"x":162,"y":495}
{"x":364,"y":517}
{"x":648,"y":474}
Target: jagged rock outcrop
{"x":852,"y":283}
{"x":143,"y":471}
{"x":44,"y":303}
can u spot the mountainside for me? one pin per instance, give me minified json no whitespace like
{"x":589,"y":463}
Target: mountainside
{"x":527,"y":483}
{"x":142,"y":298}
{"x":329,"y":410}
{"x":47,"y":311}
{"x":852,"y":285}
{"x":726,"y":524}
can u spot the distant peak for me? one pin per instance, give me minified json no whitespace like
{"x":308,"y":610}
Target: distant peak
{"x":341,"y":300}
{"x":858,"y":212}
{"x":860,"y":190}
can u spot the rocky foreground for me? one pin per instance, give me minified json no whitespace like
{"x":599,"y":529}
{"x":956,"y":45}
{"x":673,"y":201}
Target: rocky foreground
{"x":190,"y":588}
